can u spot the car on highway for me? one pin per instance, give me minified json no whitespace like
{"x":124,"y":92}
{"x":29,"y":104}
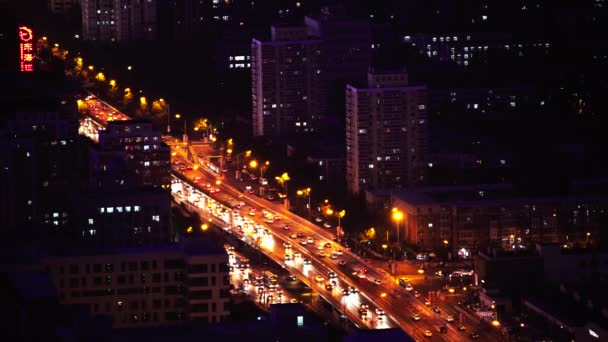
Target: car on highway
{"x":474,"y":335}
{"x":342,"y":263}
{"x":251,"y":212}
{"x":379,"y":312}
{"x":303,"y":242}
{"x":352,"y":289}
{"x":377,"y":281}
{"x":345,"y":292}
{"x":409,"y":287}
{"x":416,"y":316}
{"x":287,"y":245}
{"x":363,"y":309}
{"x":436,"y":309}
{"x":327,"y":225}
{"x":297,"y":255}
{"x":318,"y":220}
{"x":320,"y":247}
{"x":333,"y":256}
{"x":449,"y":319}
{"x":307,"y":262}
{"x":286,"y":227}
{"x":322,"y":254}
{"x":327,"y":245}
{"x":461,"y":327}
{"x":428,"y":333}
{"x":339,"y":251}
{"x":287,"y":257}
{"x":427,"y":302}
{"x":310,"y":239}
{"x":328,"y":287}
{"x":300,"y":235}
{"x":319,"y":278}
{"x":292,"y":277}
{"x":293,"y":301}
{"x":293,"y":236}
{"x":416,"y":294}
{"x":332,"y":275}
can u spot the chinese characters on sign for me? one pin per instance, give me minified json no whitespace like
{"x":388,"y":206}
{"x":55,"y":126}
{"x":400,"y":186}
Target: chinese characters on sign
{"x":26,"y":49}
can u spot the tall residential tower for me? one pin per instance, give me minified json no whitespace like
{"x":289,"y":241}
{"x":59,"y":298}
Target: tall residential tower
{"x":386,"y":133}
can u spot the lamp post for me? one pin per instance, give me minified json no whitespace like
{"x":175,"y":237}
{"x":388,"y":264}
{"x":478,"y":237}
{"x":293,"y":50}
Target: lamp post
{"x":397,"y":215}
{"x":306,"y":192}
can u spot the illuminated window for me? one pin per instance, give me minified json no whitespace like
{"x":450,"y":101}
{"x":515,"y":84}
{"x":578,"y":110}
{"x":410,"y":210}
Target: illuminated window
{"x":128,"y":209}
{"x":91,"y":221}
{"x":371,"y":166}
{"x":110,"y":210}
{"x":156,"y":218}
{"x":136,"y":208}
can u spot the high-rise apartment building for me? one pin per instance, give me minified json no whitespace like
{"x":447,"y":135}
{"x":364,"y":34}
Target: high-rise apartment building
{"x":118,"y":20}
{"x":286,"y":83}
{"x":386,"y":133}
{"x":298,"y":77}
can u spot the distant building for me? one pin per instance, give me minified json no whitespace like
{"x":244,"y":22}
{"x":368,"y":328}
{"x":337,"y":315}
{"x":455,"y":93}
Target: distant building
{"x":62,"y":6}
{"x":386,"y":133}
{"x":118,"y":20}
{"x":286,"y":83}
{"x":148,"y":286}
{"x":38,"y":157}
{"x":465,"y":49}
{"x":147,"y":155}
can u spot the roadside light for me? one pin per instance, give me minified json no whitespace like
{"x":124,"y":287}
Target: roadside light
{"x":299,"y":192}
{"x":329,"y":212}
{"x":204,"y":227}
{"x":451,"y":290}
{"x":142,"y":100}
{"x":522,"y":324}
{"x":195,"y":167}
{"x":495,"y":323}
{"x":127,"y":90}
{"x":384,"y":246}
{"x":588,"y":234}
{"x":210,"y":219}
{"x":229,"y":151}
{"x":493,"y":306}
{"x":177,"y":116}
{"x":464,"y":288}
{"x":218,"y":182}
{"x":248,"y":153}
{"x":420,"y":271}
{"x":253,"y":164}
{"x":445,"y":242}
{"x":173,"y":154}
{"x":91,"y":67}
{"x":189,"y":230}
{"x":44,"y":38}
{"x":129,"y":68}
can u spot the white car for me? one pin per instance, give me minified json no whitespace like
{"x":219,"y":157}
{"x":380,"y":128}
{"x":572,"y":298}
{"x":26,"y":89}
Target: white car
{"x":297,"y":255}
{"x":310,"y":239}
{"x":319,"y":279}
{"x":416,"y":317}
{"x":326,"y":225}
{"x":322,"y":254}
{"x":338,"y":252}
{"x":318,"y":220}
{"x":428,"y":333}
{"x":449,"y":319}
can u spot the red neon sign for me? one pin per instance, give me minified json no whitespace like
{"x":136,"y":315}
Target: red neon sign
{"x":26,"y":49}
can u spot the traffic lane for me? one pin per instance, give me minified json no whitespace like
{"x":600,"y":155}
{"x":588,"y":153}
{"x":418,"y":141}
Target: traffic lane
{"x":307,"y":227}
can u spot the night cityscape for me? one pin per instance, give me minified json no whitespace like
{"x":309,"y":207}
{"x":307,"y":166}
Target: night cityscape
{"x":315,"y":170}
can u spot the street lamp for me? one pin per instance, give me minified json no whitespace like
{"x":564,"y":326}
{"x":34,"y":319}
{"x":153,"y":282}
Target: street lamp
{"x":306,"y":192}
{"x":397,"y":216}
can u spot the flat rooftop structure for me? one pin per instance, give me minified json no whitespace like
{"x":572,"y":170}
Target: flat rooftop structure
{"x":479,"y":195}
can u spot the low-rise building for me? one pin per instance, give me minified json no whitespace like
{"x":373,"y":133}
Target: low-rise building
{"x":146,"y":286}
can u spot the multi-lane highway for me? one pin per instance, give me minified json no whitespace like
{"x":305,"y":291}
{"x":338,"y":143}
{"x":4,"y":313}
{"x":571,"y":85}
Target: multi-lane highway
{"x":388,"y":305}
{"x":376,"y":288}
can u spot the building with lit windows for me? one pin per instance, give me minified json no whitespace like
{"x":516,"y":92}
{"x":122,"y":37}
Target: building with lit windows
{"x":124,"y":217}
{"x":386,"y":132}
{"x":118,"y":20}
{"x":286,"y":83}
{"x":147,"y":286}
{"x":146,"y":154}
{"x":464,"y":219}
